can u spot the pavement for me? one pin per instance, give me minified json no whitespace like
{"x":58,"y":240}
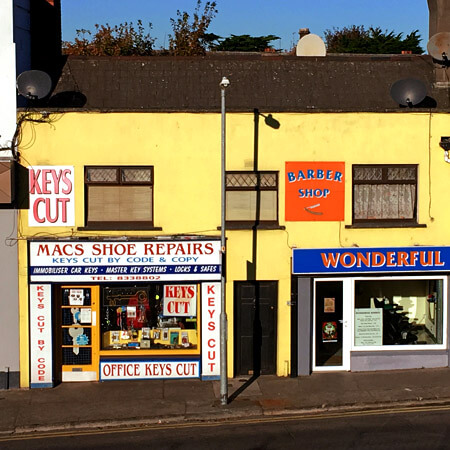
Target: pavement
{"x":113,"y":404}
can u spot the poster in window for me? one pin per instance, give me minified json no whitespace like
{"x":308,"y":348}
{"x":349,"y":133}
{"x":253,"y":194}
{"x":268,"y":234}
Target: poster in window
{"x":165,"y":334}
{"x":115,"y":337}
{"x":329,"y":332}
{"x":368,"y":326}
{"x":329,"y":305}
{"x":174,"y":337}
{"x":76,"y":297}
{"x":184,"y":339}
{"x":85,"y":315}
{"x":314,"y":191}
{"x":131,"y":312}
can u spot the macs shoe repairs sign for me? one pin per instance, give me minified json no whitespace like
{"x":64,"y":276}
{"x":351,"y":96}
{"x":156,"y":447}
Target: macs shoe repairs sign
{"x":72,"y":261}
{"x":51,"y":196}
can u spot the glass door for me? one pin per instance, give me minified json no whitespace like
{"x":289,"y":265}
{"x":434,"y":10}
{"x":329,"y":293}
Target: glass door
{"x":331,"y":343}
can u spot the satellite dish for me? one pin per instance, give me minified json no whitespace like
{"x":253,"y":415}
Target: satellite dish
{"x":311,"y":45}
{"x":439,"y":46}
{"x":408,"y":92}
{"x":34,"y":84}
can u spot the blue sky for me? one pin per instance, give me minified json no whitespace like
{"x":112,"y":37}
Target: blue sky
{"x":282,"y":18}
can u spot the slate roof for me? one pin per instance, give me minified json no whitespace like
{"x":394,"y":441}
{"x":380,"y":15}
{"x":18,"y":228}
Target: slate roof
{"x":271,"y":83}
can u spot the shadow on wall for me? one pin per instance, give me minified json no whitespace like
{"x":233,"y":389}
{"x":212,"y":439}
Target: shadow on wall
{"x":22,"y":186}
{"x":64,"y":99}
{"x":251,"y":265}
{"x":426,"y":103}
{"x":67,"y":99}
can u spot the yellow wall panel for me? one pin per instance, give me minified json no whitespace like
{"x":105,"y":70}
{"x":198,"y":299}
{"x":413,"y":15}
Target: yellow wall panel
{"x":184,"y":149}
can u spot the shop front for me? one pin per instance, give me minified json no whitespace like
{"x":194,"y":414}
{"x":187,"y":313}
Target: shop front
{"x":116,"y":310}
{"x":371,"y":308}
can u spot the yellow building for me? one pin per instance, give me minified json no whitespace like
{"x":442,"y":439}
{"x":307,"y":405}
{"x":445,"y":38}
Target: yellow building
{"x":337,"y":243}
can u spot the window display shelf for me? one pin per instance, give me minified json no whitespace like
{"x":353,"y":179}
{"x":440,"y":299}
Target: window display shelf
{"x":150,"y":352}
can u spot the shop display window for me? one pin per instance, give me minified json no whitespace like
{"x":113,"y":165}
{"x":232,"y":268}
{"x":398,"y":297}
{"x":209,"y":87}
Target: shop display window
{"x":398,"y":312}
{"x":153,"y":317}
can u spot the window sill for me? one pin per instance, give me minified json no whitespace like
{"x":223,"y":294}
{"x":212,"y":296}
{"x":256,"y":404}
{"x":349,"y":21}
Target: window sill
{"x":246,"y":226}
{"x":119,"y":227}
{"x":389,"y":349}
{"x":387,"y":225}
{"x":145,"y":352}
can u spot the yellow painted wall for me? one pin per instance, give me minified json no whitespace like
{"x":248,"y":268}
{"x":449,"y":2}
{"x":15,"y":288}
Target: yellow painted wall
{"x":184,"y":149}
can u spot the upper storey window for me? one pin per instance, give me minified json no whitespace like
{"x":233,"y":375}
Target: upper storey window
{"x":119,"y":197}
{"x":385,"y":193}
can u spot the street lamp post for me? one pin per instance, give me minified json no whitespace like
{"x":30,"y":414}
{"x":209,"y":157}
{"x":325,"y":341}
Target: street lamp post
{"x":223,"y":315}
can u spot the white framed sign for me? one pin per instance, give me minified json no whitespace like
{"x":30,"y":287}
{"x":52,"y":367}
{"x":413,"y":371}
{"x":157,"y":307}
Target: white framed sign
{"x":52,"y":198}
{"x":147,"y":370}
{"x":94,"y":261}
{"x":41,"y":362}
{"x":368,"y":326}
{"x":180,"y":300}
{"x":211,"y":293}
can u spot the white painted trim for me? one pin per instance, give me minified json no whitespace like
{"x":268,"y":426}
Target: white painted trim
{"x":399,"y":348}
{"x":79,"y":376}
{"x":347,"y":329}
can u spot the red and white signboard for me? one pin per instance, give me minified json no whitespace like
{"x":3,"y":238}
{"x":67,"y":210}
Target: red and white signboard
{"x":41,"y":336}
{"x":147,"y":370}
{"x":51,"y":196}
{"x":211,"y":330}
{"x":75,"y":261}
{"x":180,"y":300}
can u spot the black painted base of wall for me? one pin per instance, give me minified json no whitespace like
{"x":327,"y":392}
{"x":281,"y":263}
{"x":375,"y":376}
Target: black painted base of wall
{"x":9,"y":380}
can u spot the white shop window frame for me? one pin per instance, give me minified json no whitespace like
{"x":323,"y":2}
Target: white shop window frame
{"x":399,"y":348}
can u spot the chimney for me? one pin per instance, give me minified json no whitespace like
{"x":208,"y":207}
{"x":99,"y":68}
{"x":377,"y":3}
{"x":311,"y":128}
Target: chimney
{"x":439,"y":19}
{"x":303,"y":32}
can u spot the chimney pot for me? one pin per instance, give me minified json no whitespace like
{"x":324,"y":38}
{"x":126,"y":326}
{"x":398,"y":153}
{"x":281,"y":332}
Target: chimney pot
{"x":303,"y":32}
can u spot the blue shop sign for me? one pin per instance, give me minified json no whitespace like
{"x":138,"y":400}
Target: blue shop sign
{"x":364,"y":260}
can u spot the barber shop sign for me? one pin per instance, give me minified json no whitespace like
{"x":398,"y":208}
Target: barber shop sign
{"x":315,"y":191}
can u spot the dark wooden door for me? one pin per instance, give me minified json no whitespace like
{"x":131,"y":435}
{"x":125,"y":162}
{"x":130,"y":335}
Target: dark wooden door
{"x":255,"y":306}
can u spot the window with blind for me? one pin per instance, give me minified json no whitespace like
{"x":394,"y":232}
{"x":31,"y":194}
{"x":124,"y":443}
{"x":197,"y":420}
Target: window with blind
{"x":385,"y":193}
{"x":252,"y":197}
{"x":119,"y":196}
